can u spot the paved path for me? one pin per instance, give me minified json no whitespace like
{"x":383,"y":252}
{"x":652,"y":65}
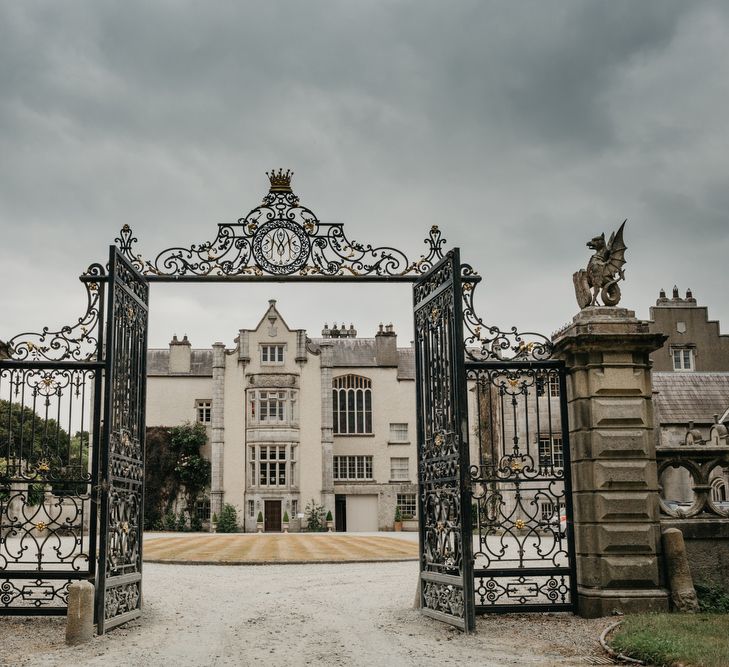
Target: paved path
{"x":251,"y":548}
{"x":338,"y":615}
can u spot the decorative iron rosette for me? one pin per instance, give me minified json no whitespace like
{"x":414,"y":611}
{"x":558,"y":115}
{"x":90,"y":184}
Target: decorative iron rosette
{"x":281,"y":238}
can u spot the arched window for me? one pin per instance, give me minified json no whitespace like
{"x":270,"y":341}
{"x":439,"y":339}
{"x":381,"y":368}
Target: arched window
{"x":352,"y":405}
{"x":718,"y":490}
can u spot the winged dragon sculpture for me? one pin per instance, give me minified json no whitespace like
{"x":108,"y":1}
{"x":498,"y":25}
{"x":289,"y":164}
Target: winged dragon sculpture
{"x":604,"y":271}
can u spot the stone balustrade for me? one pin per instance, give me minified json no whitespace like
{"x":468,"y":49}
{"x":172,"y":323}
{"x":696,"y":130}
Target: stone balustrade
{"x":702,"y":463}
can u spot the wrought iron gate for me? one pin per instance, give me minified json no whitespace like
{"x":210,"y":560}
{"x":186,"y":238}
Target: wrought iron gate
{"x":119,"y":592}
{"x":50,"y":387}
{"x":444,"y":506}
{"x":524,"y":551}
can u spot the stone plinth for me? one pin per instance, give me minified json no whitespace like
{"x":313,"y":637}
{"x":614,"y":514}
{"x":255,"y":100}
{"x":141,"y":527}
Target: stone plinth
{"x":614,"y":480}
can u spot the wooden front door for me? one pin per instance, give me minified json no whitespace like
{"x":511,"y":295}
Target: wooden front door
{"x":340,"y":512}
{"x":272,"y":518}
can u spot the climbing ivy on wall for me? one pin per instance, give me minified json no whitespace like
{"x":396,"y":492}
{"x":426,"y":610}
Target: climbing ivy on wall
{"x":173,"y":465}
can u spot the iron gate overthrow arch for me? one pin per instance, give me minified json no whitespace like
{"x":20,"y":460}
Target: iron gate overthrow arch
{"x":72,"y":425}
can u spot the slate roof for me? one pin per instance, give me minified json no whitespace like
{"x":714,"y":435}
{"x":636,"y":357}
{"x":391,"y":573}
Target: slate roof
{"x":406,"y":363}
{"x":201,"y":363}
{"x":685,"y":397}
{"x":353,"y":352}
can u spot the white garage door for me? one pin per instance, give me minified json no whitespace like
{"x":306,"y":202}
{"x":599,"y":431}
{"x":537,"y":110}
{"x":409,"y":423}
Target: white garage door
{"x":361,"y":513}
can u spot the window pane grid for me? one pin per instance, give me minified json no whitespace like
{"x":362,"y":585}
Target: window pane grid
{"x":204,"y":411}
{"x":270,"y":467}
{"x":399,"y":468}
{"x":352,"y":467}
{"x":408,"y":505}
{"x":550,"y":451}
{"x":352,"y":405}
{"x":272,"y":354}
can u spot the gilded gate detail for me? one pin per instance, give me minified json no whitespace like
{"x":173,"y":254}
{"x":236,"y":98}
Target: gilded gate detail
{"x":446,"y":579}
{"x":122,"y":461}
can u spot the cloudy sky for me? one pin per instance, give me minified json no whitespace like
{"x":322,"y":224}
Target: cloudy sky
{"x":521,"y":128}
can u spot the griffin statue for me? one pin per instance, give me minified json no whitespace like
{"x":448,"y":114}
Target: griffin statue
{"x":604,"y":271}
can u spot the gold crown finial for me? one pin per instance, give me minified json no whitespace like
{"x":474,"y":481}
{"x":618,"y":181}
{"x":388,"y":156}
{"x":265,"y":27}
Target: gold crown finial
{"x":281,"y":180}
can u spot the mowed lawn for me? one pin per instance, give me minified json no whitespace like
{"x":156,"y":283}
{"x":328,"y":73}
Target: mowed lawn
{"x":276,"y":548}
{"x":695,"y":640}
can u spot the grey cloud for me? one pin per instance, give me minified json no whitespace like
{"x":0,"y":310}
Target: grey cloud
{"x":522,"y":129}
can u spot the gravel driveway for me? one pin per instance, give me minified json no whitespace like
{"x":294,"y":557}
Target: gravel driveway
{"x":356,"y":614}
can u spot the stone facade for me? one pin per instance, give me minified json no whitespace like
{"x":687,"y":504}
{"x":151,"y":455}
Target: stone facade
{"x":274,"y":440}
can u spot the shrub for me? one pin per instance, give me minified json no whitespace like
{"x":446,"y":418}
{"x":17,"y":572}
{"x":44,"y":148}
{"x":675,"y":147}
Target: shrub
{"x":329,"y":516}
{"x":398,"y":516}
{"x":314,"y":515}
{"x":169,"y":521}
{"x":195,"y":523}
{"x":181,"y":523}
{"x":286,"y":517}
{"x":215,"y":518}
{"x":713,"y":599}
{"x":228,"y":522}
{"x":259,"y":518}
{"x":36,"y":493}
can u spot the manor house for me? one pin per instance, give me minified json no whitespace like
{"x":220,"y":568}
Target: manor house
{"x":291,"y":419}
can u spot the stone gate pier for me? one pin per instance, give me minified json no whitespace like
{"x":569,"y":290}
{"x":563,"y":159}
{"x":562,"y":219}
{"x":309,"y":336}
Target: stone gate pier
{"x":614,"y":477}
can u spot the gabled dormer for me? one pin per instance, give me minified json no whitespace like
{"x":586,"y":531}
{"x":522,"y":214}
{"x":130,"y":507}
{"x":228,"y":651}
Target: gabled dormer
{"x":272,"y":346}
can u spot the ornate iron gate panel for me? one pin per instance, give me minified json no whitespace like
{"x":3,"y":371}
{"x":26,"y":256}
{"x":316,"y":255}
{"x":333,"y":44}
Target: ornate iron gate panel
{"x":50,"y":386}
{"x":119,"y":594}
{"x":524,"y":552}
{"x":444,"y":506}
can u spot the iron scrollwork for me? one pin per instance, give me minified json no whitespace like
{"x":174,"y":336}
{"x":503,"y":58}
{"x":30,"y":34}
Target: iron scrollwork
{"x":281,"y":238}
{"x":122,"y":462}
{"x":520,"y":488}
{"x":445,"y":528}
{"x":74,"y":342}
{"x":490,"y":343}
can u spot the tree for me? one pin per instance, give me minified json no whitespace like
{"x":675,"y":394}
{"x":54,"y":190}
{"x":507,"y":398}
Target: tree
{"x":173,"y":466}
{"x":27,"y":436}
{"x":192,"y":470}
{"x":228,"y":522}
{"x":314,"y":514}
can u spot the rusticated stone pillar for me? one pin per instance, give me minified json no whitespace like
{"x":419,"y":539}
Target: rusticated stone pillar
{"x":217,"y":439}
{"x":614,"y":478}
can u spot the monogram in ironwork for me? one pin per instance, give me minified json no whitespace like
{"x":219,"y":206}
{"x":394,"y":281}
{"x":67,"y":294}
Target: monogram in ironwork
{"x":281,"y":238}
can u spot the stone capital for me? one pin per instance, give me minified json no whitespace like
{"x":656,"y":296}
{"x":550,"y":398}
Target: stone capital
{"x":600,"y":328}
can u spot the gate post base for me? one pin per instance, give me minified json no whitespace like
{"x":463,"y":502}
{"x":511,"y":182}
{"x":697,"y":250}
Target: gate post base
{"x":593,"y":603}
{"x":80,"y":618}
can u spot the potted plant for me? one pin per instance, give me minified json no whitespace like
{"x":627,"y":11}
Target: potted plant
{"x":286,"y":522}
{"x":214,"y":522}
{"x":398,"y":519}
{"x":330,"y":521}
{"x":259,"y":522}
